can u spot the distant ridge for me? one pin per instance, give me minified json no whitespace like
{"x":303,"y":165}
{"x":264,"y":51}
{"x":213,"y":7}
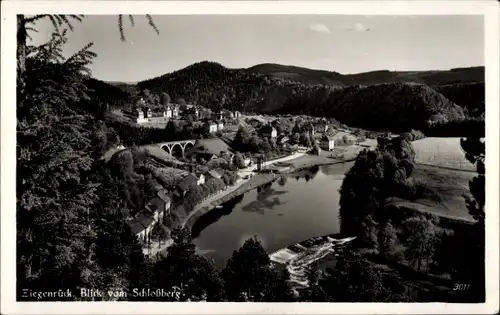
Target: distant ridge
{"x":318,"y":76}
{"x":310,"y":76}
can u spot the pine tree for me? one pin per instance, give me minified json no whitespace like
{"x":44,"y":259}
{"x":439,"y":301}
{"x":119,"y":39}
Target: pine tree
{"x":54,"y":190}
{"x":249,"y":273}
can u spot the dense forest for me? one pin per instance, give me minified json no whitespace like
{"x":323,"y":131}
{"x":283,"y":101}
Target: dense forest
{"x":71,"y":205}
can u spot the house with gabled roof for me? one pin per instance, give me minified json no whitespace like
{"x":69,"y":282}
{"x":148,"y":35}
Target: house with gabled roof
{"x":327,"y":142}
{"x":142,"y":225}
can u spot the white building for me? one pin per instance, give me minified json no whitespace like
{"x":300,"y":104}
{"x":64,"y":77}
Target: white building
{"x":201,"y":179}
{"x":211,"y":127}
{"x":140,"y":116}
{"x":220,"y":125}
{"x":168,"y":112}
{"x":175,"y":112}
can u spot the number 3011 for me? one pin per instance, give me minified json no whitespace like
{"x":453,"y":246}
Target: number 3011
{"x":461,"y":286}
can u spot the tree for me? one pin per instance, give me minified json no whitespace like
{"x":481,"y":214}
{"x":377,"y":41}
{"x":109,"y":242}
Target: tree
{"x":296,"y":128}
{"x":193,"y":275}
{"x":254,"y":143}
{"x":165,"y":99}
{"x":305,"y":140}
{"x":420,"y":237}
{"x":54,"y":190}
{"x":474,"y":270}
{"x":387,"y":239}
{"x":160,"y":233}
{"x":239,"y":160}
{"x":475,"y":153}
{"x":172,"y":130}
{"x":242,"y":138}
{"x":71,"y":230}
{"x":265,"y":145}
{"x":181,"y":102}
{"x":375,"y":176}
{"x":249,"y":273}
{"x":314,"y":292}
{"x":353,"y":279}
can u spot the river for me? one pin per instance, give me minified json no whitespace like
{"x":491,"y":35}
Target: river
{"x":294,"y":208}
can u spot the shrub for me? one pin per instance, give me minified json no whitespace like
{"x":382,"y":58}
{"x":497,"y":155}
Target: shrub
{"x":413,"y":135}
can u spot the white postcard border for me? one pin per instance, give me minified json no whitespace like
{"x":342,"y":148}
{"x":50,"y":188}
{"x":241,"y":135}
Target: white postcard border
{"x":489,"y":9}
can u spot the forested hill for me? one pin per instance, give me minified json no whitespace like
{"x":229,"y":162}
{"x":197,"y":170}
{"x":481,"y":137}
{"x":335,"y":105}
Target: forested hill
{"x":310,"y":76}
{"x":214,"y":86}
{"x":366,"y":99}
{"x":298,"y":74}
{"x":393,"y":106}
{"x":103,"y":92}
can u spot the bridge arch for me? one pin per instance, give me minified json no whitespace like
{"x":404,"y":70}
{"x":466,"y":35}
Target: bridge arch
{"x":188,"y":145}
{"x":177,"y":150}
{"x":166,"y":148}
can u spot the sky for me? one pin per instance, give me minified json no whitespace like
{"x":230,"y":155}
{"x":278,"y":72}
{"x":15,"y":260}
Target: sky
{"x":341,"y":43}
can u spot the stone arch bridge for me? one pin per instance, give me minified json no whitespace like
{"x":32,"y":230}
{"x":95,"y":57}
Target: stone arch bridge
{"x":176,"y":148}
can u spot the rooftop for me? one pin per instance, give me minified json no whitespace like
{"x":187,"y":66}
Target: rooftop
{"x":162,"y":194}
{"x":135,"y":226}
{"x":155,"y":204}
{"x":214,"y":174}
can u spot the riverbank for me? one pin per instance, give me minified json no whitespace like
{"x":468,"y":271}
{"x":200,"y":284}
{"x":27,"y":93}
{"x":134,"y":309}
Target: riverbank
{"x":294,"y":162}
{"x":254,"y":182}
{"x":257,"y":180}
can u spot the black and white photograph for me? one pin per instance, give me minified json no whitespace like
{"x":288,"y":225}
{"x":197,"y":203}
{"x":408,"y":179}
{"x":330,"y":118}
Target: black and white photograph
{"x":258,"y":158}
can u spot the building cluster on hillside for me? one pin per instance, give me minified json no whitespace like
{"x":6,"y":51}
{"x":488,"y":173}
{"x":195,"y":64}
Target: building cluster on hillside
{"x":143,"y":222}
{"x":323,"y":134}
{"x":213,"y":122}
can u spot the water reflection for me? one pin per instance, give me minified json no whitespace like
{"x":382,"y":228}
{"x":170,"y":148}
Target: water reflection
{"x":280,"y":213}
{"x":282,"y":180}
{"x":214,"y":215}
{"x":307,"y":174}
{"x":267,"y":199}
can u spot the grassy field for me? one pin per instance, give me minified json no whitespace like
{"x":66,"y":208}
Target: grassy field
{"x":309,"y":160}
{"x":449,"y":185}
{"x":442,"y":152}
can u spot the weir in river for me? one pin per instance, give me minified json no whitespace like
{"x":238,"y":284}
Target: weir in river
{"x":299,"y":256}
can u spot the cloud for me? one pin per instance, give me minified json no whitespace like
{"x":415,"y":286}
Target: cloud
{"x":357,"y":27}
{"x":320,"y":28}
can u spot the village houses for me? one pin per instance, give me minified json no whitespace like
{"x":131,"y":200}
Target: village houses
{"x":143,"y":222}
